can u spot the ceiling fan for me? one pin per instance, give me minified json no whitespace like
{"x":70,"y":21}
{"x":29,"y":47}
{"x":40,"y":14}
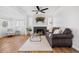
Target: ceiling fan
{"x":40,"y":10}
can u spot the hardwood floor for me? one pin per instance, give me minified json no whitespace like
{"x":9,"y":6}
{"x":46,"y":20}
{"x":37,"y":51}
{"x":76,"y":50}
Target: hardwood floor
{"x":12,"y":44}
{"x":64,"y":50}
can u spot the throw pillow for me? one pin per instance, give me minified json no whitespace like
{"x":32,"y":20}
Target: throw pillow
{"x":50,"y":35}
{"x":57,"y":31}
{"x":62,"y":29}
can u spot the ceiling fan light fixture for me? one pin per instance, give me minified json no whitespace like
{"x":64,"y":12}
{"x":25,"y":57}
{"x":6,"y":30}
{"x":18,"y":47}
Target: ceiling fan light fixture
{"x":39,"y":10}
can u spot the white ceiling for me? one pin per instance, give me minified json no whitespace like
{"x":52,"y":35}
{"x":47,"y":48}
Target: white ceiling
{"x":22,"y":12}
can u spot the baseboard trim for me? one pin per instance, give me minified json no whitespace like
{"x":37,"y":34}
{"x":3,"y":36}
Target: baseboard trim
{"x":75,"y":48}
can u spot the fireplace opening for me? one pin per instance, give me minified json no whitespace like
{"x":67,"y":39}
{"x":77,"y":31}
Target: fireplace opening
{"x":39,"y":30}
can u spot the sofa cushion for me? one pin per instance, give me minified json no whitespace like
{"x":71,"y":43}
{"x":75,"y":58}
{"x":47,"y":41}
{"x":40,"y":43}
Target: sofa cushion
{"x":57,"y":31}
{"x":54,"y":28}
{"x":67,"y":31}
{"x":62,"y":36}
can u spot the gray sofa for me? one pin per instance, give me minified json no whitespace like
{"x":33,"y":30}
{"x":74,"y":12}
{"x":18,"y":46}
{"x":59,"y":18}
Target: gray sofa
{"x":60,"y":40}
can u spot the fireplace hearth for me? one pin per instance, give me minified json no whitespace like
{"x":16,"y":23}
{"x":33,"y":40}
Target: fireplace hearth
{"x":40,"y":30}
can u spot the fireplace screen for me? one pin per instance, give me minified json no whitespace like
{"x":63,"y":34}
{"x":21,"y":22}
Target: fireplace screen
{"x":39,"y":30}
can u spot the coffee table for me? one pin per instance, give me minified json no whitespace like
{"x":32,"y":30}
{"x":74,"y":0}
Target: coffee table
{"x":35,"y":38}
{"x":42,"y":46}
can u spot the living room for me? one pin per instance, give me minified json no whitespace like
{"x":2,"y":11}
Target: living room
{"x":23,"y":22}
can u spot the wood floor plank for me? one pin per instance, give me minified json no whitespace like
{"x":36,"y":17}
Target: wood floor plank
{"x":73,"y":50}
{"x":12,"y":44}
{"x":57,"y":50}
{"x":64,"y":50}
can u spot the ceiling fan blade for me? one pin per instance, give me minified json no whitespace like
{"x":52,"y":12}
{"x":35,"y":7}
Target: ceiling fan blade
{"x":34,"y":10}
{"x":44,"y":9}
{"x":42,"y":12}
{"x":38,"y":8}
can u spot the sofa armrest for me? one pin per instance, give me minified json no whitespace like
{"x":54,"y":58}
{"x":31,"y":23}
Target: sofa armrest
{"x":49,"y":35}
{"x":62,"y":36}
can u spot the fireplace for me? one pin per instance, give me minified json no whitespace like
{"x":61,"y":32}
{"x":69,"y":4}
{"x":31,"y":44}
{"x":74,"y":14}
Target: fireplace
{"x":39,"y":30}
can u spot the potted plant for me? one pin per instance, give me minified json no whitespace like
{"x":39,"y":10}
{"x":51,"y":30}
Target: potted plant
{"x":29,"y":31}
{"x":40,"y":19}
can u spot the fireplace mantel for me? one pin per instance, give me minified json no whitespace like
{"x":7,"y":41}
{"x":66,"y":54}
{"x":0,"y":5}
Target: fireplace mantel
{"x":39,"y":25}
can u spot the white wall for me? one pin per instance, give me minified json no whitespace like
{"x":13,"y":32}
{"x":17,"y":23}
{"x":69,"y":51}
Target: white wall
{"x":15,"y":25}
{"x":16,"y":20}
{"x":69,"y":17}
{"x":10,"y":12}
